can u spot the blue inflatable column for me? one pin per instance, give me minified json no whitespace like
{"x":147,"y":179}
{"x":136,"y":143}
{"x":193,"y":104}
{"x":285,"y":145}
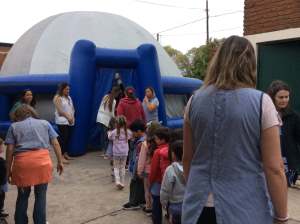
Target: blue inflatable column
{"x":5,"y":108}
{"x":149,"y":76}
{"x":82,"y":80}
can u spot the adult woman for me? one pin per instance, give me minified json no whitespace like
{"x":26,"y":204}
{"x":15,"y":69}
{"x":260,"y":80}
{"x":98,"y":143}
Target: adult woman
{"x":26,"y":98}
{"x":28,"y":161}
{"x":150,"y":105}
{"x":64,"y":117}
{"x":290,"y":131}
{"x":130,"y":107}
{"x":231,"y":145}
{"x":105,"y":113}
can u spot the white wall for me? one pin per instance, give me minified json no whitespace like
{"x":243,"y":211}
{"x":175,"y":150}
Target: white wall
{"x":273,"y":36}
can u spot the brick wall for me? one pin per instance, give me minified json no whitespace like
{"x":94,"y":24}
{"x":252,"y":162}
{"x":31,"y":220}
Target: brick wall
{"x":262,"y":16}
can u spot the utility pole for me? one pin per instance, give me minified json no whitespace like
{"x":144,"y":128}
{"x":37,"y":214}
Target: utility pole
{"x":207,"y":23}
{"x":157,"y":37}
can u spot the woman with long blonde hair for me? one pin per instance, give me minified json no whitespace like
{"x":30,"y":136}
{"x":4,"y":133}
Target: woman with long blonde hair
{"x":232,"y":160}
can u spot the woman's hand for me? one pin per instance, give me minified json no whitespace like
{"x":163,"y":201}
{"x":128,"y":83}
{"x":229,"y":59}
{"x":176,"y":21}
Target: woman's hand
{"x":146,"y":100}
{"x":60,"y":168}
{"x":70,"y":119}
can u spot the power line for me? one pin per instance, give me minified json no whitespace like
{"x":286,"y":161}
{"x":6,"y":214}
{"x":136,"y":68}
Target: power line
{"x":167,"y":5}
{"x":198,"y":20}
{"x":197,"y":34}
{"x":227,"y":13}
{"x":182,"y":25}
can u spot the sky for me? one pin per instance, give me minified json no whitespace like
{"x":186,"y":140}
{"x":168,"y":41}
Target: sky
{"x":17,"y":17}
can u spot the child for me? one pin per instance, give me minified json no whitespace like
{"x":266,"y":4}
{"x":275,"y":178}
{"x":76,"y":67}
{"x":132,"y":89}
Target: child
{"x":136,"y":191}
{"x":159,"y":163}
{"x":120,"y":137}
{"x":173,"y":184}
{"x":109,"y":150}
{"x":144,"y":163}
{"x":3,"y":182}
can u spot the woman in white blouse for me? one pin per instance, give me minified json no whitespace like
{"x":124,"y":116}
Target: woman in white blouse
{"x":105,"y":113}
{"x":64,"y":117}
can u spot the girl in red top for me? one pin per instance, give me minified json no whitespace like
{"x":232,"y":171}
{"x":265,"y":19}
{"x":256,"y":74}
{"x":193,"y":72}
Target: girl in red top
{"x":131,"y":107}
{"x":159,"y":163}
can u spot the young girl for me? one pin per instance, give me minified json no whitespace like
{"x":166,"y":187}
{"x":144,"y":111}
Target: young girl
{"x":109,"y":150}
{"x":120,"y":136}
{"x":173,"y":184}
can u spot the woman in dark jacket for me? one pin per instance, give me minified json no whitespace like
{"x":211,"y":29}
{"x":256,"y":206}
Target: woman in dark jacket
{"x":290,"y":130}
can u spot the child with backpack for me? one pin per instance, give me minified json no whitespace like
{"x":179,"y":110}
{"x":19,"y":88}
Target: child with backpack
{"x":136,"y":191}
{"x":120,"y":136}
{"x":159,"y":164}
{"x":173,"y":183}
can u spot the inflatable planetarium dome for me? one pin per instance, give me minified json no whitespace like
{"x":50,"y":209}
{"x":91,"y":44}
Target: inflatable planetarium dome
{"x":47,"y":46}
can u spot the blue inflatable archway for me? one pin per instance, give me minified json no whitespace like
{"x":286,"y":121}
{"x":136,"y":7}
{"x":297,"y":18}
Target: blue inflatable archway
{"x":91,"y":74}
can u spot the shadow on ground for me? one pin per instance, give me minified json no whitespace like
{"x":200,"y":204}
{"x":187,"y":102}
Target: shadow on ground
{"x":85,"y":194}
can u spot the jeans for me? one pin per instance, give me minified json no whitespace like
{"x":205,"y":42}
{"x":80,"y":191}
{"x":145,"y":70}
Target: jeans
{"x":175,"y":210}
{"x":156,"y":210}
{"x":39,"y":211}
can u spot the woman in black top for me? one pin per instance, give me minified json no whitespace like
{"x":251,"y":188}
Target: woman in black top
{"x":290,"y":130}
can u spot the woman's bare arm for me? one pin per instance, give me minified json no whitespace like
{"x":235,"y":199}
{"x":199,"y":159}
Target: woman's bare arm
{"x":57,"y":150}
{"x":57,"y":102}
{"x":274,"y":170}
{"x":188,"y":151}
{"x":9,"y":159}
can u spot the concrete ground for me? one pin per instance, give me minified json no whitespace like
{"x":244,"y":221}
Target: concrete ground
{"x":85,"y":194}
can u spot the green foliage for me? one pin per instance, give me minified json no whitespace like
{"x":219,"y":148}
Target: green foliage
{"x":180,"y":60}
{"x":194,"y":63}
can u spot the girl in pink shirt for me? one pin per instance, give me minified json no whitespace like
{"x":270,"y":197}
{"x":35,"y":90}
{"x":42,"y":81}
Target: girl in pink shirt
{"x":120,"y":137}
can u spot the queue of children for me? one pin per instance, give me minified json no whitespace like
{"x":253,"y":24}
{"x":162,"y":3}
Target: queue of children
{"x":142,"y":145}
{"x":156,"y":173}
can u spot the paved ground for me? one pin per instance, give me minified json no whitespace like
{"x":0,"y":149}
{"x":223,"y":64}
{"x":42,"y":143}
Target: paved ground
{"x":85,"y":194}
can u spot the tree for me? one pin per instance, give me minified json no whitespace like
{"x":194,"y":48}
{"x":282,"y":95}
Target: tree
{"x":195,"y":62}
{"x":199,"y":58}
{"x":180,"y":60}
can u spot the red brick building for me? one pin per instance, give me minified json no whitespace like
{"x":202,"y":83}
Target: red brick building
{"x":270,"y":15}
{"x":4,"y":49}
{"x":273,"y":27}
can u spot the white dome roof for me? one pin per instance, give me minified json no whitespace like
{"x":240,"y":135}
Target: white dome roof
{"x":46,"y":47}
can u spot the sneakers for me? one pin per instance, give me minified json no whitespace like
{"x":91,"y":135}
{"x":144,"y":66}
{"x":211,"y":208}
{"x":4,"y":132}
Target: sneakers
{"x":129,"y":206}
{"x":119,"y":186}
{"x":148,"y":211}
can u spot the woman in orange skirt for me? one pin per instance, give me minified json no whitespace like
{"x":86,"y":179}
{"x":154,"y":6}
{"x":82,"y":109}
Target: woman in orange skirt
{"x":28,"y":161}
